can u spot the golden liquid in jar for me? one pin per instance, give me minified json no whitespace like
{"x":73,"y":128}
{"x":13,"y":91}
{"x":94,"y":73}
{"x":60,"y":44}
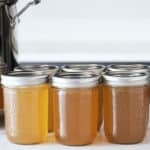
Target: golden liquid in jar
{"x":126,"y":111}
{"x":75,"y":115}
{"x":26,"y":114}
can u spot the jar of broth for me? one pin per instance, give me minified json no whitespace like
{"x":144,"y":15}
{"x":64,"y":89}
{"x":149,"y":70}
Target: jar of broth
{"x":3,"y":70}
{"x":75,"y":97}
{"x":49,"y":70}
{"x":94,"y":68}
{"x":26,"y":107}
{"x":126,"y":106}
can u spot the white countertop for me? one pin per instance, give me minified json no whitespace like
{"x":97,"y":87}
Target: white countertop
{"x":99,"y":143}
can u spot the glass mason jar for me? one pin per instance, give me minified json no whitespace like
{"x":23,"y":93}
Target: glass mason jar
{"x":3,"y":70}
{"x":49,"y":70}
{"x":26,"y":107}
{"x":126,"y":109}
{"x":94,"y":68}
{"x":130,"y":68}
{"x":75,"y":97}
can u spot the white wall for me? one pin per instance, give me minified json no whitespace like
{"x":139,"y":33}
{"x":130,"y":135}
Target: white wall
{"x":85,"y":30}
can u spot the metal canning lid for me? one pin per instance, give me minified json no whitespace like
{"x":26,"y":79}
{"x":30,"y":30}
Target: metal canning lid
{"x":74,"y":80}
{"x":41,"y":69}
{"x":95,"y":68}
{"x":128,"y":67}
{"x":23,"y":78}
{"x":125,"y":79}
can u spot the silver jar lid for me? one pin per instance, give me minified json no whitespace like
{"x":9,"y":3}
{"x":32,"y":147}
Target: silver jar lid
{"x":95,"y":68}
{"x":41,"y":69}
{"x":128,"y":67}
{"x":23,"y":78}
{"x":75,"y":80}
{"x":125,"y":79}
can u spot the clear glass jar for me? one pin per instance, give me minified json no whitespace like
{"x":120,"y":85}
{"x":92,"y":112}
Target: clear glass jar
{"x":26,"y":107}
{"x":126,"y":107}
{"x":129,"y":68}
{"x":94,"y":68}
{"x":75,"y":97}
{"x":48,"y":70}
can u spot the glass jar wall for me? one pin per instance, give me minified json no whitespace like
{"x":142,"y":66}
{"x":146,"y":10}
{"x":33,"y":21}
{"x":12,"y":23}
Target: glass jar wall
{"x":26,"y":107}
{"x":96,"y":69}
{"x":49,"y":70}
{"x":75,"y":97}
{"x":126,"y":107}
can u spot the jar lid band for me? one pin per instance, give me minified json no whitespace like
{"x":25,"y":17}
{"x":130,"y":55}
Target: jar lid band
{"x":125,"y":79}
{"x":22,"y":78}
{"x":95,"y":68}
{"x":128,"y":67}
{"x":41,"y":69}
{"x":75,"y":80}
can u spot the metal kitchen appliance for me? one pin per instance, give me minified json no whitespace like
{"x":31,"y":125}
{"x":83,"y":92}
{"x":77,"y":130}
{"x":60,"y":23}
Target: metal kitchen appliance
{"x":9,"y":18}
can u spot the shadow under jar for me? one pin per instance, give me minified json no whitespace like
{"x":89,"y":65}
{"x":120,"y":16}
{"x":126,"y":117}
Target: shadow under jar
{"x":26,"y":107}
{"x":75,"y":97}
{"x":49,"y":70}
{"x":126,"y":106}
{"x":96,"y":69}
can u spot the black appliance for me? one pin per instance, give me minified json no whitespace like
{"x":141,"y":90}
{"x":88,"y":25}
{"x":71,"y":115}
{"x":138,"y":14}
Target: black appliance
{"x":8,"y":20}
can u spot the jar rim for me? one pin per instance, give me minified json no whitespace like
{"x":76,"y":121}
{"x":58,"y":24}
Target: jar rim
{"x":72,"y":80}
{"x":96,"y":68}
{"x":126,"y":78}
{"x":41,"y":69}
{"x":23,"y":78}
{"x":128,"y":67}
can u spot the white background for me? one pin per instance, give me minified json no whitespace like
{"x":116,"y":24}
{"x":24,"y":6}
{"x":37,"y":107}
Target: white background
{"x":85,"y":30}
